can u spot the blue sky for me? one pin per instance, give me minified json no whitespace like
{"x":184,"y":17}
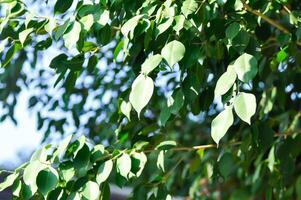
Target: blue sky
{"x":21,"y":139}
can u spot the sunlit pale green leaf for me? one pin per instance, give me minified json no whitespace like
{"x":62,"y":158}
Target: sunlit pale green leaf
{"x":9,"y":180}
{"x":221,"y":123}
{"x":150,"y":64}
{"x":50,"y":26}
{"x":245,"y":106}
{"x":72,"y":36}
{"x":104,"y":171}
{"x":130,"y":25}
{"x":141,"y":93}
{"x":225,"y":82}
{"x":23,"y":35}
{"x":91,"y":191}
{"x":31,"y":172}
{"x":124,"y":165}
{"x":189,"y":7}
{"x":87,"y":21}
{"x":126,"y":108}
{"x":160,"y":160}
{"x":173,"y":52}
{"x":246,"y":67}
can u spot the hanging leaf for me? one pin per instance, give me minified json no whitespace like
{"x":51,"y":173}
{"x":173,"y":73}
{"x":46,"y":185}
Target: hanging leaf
{"x":150,"y":64}
{"x":245,"y":106}
{"x":130,"y":25}
{"x":165,"y":145}
{"x":221,"y":123}
{"x":72,"y":36}
{"x":3,"y":43}
{"x":246,"y":67}
{"x":104,"y":171}
{"x":189,"y":7}
{"x":91,"y":191}
{"x":142,"y":161}
{"x":126,"y":108}
{"x":49,"y":27}
{"x":87,"y":21}
{"x":225,"y":82}
{"x":232,"y":30}
{"x":141,"y":93}
{"x":161,"y":28}
{"x":9,"y":180}
{"x":104,"y":18}
{"x":47,"y":180}
{"x":160,"y":160}
{"x":31,"y":172}
{"x":61,"y":6}
{"x":173,"y":52}
{"x":124,"y":165}
{"x":23,"y":35}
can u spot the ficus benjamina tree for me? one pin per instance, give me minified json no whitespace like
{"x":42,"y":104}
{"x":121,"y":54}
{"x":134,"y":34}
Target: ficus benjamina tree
{"x":195,"y":99}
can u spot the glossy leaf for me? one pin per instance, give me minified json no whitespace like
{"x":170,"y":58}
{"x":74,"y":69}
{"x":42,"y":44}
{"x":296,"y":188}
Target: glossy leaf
{"x":221,"y":123}
{"x":246,"y":67}
{"x":150,"y":64}
{"x":141,"y":92}
{"x":225,"y":82}
{"x":104,"y":171}
{"x":173,"y":52}
{"x":245,"y":106}
{"x":124,"y":164}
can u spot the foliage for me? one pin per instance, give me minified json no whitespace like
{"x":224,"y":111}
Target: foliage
{"x":143,"y":84}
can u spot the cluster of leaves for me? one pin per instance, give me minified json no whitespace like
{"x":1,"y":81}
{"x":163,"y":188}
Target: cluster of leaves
{"x":174,"y":71}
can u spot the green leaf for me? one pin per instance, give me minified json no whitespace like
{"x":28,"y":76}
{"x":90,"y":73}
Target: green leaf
{"x":165,"y":145}
{"x":151,"y":63}
{"x":47,"y":180}
{"x":104,"y":171}
{"x":87,"y":21}
{"x":161,"y":28}
{"x":62,"y":147}
{"x":232,"y":30}
{"x":72,"y":36}
{"x":104,"y":18}
{"x":10,"y":54}
{"x":226,"y":164}
{"x":67,"y":170}
{"x":49,"y":27}
{"x":124,"y":165}
{"x":164,"y":115}
{"x":61,"y":6}
{"x":31,"y":172}
{"x":9,"y":180}
{"x":126,"y":108}
{"x":173,"y":52}
{"x":189,"y":7}
{"x":180,"y":20}
{"x":221,"y":123}
{"x":141,"y":93}
{"x":160,"y":160}
{"x":142,"y":161}
{"x":3,"y":43}
{"x":246,"y":67}
{"x":130,"y":25}
{"x":225,"y":82}
{"x":91,"y":191}
{"x":245,"y":106}
{"x":61,"y":30}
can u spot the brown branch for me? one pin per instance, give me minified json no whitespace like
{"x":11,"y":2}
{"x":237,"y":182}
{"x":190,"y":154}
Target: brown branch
{"x":267,"y":19}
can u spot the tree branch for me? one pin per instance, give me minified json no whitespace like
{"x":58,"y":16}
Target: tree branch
{"x":267,"y":19}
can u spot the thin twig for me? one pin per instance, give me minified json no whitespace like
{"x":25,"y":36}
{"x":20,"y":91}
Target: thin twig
{"x":267,"y":19}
